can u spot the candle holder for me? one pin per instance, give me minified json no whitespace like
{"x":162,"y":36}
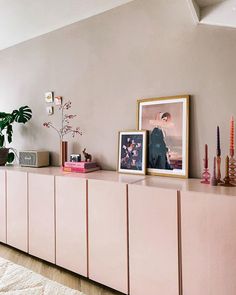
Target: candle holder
{"x":218,"y":161}
{"x":206,"y":176}
{"x":213,"y":179}
{"x":226,"y":179}
{"x":232,"y":170}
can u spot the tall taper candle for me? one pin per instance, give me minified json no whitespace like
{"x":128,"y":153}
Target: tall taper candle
{"x":218,"y":150}
{"x":232,"y":136}
{"x":206,"y":156}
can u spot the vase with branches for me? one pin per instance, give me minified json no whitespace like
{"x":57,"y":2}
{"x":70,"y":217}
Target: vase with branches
{"x":65,"y":129}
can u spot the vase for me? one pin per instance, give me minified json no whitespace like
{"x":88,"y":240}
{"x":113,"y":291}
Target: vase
{"x":63,"y":153}
{"x":3,"y":156}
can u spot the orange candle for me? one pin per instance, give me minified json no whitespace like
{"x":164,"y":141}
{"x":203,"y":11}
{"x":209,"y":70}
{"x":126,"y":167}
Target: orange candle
{"x":232,"y":136}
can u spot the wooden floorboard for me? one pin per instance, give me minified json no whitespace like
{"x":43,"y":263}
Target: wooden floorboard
{"x":54,"y":273}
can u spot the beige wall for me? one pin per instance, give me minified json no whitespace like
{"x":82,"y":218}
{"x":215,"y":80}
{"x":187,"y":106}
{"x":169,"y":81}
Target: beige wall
{"x":147,"y":48}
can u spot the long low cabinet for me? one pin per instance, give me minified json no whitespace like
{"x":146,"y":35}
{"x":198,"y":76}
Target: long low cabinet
{"x":135,"y":234}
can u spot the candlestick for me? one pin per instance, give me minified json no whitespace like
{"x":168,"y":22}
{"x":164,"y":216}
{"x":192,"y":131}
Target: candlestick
{"x":206,"y":174}
{"x":213,"y":179}
{"x":227,"y":179}
{"x":218,"y":161}
{"x":218,"y":150}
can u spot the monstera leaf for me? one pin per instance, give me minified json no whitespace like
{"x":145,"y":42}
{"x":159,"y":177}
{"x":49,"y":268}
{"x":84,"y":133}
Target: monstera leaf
{"x":5,"y":120}
{"x":9,"y":133}
{"x":10,"y":157}
{"x":22,"y":115}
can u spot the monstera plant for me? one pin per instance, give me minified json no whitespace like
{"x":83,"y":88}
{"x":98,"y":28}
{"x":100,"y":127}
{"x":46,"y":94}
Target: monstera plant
{"x":22,"y":115}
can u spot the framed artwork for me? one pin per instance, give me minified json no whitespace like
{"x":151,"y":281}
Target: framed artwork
{"x":58,"y":100}
{"x":167,"y":122}
{"x":48,"y":96}
{"x":132,"y":152}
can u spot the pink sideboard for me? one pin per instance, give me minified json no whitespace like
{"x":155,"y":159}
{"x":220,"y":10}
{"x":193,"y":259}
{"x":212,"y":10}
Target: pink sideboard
{"x":136,"y":234}
{"x":3,"y":204}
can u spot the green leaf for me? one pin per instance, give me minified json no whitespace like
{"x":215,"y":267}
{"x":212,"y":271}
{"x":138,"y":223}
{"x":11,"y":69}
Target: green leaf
{"x":2,"y":139}
{"x":10,"y":157}
{"x":22,"y":115}
{"x":9,"y":133}
{"x":4,"y":122}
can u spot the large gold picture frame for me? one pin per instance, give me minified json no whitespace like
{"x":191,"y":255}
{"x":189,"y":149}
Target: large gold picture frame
{"x":167,"y":121}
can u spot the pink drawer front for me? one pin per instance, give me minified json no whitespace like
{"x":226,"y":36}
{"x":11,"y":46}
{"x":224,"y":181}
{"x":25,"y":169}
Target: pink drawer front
{"x":42,"y":216}
{"x":153,"y":241}
{"x":3,"y":227}
{"x":107,"y":225}
{"x":71,"y":232}
{"x":17,"y":210}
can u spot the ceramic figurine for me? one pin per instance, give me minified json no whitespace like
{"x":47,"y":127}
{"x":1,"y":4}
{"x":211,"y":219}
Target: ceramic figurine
{"x":206,"y":174}
{"x":87,"y":157}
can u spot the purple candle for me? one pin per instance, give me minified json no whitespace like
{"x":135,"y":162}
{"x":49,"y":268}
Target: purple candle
{"x":218,"y":150}
{"x":206,"y":156}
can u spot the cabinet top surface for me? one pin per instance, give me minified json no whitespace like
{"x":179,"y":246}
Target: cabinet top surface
{"x":186,"y":185}
{"x":104,"y":175}
{"x":183,"y":185}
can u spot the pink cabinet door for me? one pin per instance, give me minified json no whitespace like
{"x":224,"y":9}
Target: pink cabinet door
{"x":107,"y":227}
{"x":41,"y":216}
{"x":71,"y":231}
{"x":3,"y":207}
{"x":153,"y":241}
{"x":17,"y":210}
{"x":208,"y":244}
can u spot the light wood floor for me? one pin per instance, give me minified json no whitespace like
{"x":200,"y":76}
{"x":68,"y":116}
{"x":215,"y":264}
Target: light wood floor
{"x":54,"y":273}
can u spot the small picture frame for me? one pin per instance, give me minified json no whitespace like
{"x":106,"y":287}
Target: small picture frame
{"x":167,"y":121}
{"x":132,"y":152}
{"x":58,"y":100}
{"x":48,"y":96}
{"x":50,"y":110}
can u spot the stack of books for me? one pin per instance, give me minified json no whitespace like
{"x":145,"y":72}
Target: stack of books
{"x":80,"y":167}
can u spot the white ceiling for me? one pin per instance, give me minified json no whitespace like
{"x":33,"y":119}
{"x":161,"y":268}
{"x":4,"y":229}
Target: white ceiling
{"x":214,"y":12}
{"x":22,"y":20}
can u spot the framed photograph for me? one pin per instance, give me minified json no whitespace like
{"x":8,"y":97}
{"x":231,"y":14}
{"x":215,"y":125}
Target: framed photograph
{"x":167,"y":122}
{"x":58,"y":100}
{"x":132,"y":152}
{"x":48,"y":96}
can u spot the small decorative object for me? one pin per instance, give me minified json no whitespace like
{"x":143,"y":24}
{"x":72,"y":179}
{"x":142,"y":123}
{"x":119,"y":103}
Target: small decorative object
{"x":48,"y":97}
{"x":82,"y":164}
{"x":87,"y":157}
{"x":22,"y":115}
{"x":58,"y":100}
{"x":80,"y":167}
{"x":232,"y":161}
{"x":226,"y":179}
{"x":75,"y":158}
{"x":206,"y":174}
{"x":132,"y":152}
{"x":49,"y":110}
{"x":214,"y":181}
{"x":167,"y":120}
{"x":65,"y":129}
{"x":218,"y":158}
